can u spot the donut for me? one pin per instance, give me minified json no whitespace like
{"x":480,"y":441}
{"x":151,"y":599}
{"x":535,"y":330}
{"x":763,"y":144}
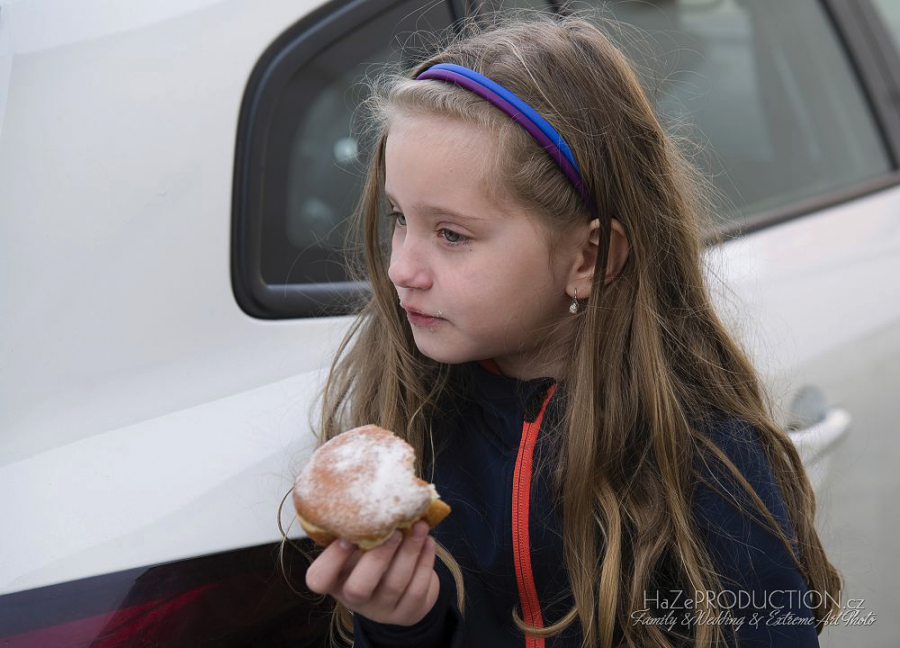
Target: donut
{"x":361,"y":486}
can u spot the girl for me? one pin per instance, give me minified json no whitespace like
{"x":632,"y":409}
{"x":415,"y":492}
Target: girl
{"x":540,"y":331}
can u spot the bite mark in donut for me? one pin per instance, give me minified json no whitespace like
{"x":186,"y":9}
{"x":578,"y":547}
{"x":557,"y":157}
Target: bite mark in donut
{"x":361,"y":486}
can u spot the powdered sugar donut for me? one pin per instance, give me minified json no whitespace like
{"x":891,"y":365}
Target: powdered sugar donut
{"x":361,"y":486}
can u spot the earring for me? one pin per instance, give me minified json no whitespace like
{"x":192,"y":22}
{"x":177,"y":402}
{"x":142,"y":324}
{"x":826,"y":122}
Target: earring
{"x":574,"y":307}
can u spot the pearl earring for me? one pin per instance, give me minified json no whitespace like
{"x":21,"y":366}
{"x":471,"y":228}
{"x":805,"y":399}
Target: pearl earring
{"x":574,"y":307}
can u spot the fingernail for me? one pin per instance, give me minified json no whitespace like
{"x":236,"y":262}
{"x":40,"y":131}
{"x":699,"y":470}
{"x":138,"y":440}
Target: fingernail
{"x":420,"y":531}
{"x":345,"y":544}
{"x":395,"y":539}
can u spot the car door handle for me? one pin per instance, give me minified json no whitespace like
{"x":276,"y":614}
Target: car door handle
{"x":816,"y":430}
{"x":818,"y":440}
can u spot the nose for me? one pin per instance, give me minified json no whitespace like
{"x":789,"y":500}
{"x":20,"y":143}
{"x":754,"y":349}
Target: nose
{"x":409,"y":264}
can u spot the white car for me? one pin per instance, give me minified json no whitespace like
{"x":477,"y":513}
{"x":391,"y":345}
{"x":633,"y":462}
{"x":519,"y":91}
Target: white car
{"x":174,"y":180}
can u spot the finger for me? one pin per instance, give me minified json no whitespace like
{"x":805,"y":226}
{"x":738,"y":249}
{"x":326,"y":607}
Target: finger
{"x":397,"y":577}
{"x":358,"y":587}
{"x":350,"y":564}
{"x":424,"y":586}
{"x":324,"y":572}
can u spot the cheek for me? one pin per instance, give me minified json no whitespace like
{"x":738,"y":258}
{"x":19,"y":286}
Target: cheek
{"x":468,"y":285}
{"x":491,"y":288}
{"x":494,"y":285}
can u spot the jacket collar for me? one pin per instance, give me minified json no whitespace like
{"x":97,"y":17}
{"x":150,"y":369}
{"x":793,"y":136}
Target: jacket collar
{"x":505,"y":393}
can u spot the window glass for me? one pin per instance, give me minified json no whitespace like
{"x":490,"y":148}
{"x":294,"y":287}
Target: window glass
{"x":890,"y":13}
{"x":779,"y":115}
{"x":314,"y":166}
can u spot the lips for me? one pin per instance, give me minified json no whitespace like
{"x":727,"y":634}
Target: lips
{"x":414,"y":311}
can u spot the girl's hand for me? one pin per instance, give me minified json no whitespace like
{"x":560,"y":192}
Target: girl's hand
{"x":393,"y":583}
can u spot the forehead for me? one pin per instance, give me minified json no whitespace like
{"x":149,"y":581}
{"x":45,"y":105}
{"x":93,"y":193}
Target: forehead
{"x":443,"y":162}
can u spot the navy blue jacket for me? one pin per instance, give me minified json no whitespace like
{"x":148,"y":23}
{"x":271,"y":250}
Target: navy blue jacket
{"x":506,"y":532}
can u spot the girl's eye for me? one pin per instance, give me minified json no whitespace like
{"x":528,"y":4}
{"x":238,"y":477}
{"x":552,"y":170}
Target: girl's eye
{"x":458,"y":239}
{"x":395,"y":215}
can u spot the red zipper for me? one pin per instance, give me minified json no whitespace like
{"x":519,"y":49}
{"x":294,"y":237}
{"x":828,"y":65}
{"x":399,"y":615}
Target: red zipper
{"x":531,"y":607}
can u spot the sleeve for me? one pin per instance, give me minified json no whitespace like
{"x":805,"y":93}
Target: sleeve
{"x":763,"y":592}
{"x":442,"y":627}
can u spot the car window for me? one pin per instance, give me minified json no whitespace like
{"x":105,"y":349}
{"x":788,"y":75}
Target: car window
{"x":890,"y":13}
{"x":779,"y":115}
{"x":314,"y":166}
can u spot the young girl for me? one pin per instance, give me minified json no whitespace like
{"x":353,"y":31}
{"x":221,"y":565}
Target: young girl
{"x":540,"y":331}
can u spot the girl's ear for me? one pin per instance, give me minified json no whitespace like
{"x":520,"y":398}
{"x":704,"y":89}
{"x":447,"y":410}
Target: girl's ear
{"x":618,"y":249}
{"x":583,"y":271}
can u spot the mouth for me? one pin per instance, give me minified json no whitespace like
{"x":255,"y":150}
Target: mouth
{"x":418,"y":318}
{"x":422,"y":320}
{"x":412,"y":311}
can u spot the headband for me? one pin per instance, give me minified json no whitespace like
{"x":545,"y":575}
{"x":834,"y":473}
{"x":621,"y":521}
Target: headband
{"x":523,"y":114}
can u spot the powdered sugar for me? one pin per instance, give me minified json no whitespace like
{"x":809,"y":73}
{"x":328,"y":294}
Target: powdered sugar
{"x":361,"y":484}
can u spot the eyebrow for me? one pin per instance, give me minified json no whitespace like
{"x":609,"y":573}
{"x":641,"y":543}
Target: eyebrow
{"x":434,"y":210}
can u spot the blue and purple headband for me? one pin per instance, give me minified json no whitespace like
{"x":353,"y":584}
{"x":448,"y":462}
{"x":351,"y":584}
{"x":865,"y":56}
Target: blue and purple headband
{"x":523,"y":114}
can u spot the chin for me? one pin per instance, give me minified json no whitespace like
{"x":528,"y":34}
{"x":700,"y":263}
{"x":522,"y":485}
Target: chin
{"x":438,"y":356}
{"x":438,"y":350}
{"x":443,"y":354}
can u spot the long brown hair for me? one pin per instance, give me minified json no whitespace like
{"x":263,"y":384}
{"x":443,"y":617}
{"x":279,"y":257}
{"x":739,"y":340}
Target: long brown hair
{"x":649,"y":357}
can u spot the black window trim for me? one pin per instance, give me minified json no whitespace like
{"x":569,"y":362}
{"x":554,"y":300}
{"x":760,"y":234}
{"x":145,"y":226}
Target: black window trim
{"x":867,"y":44}
{"x":299,"y":43}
